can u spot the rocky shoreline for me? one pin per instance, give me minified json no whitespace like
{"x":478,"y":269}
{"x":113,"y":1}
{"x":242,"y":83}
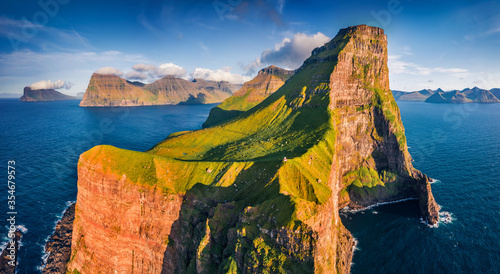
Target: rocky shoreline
{"x":6,"y":265}
{"x":59,"y":244}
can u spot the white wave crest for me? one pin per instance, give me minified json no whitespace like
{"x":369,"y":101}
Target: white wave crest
{"x":434,"y":181}
{"x":445,"y":218}
{"x":347,"y":209}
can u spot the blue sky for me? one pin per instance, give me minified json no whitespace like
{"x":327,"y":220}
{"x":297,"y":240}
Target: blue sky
{"x":432,"y":44}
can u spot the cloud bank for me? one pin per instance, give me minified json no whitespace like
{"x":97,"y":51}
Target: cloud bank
{"x":398,"y":66}
{"x":110,"y":70}
{"x":150,"y":73}
{"x":51,"y":85}
{"x":223,"y":74}
{"x":290,"y":53}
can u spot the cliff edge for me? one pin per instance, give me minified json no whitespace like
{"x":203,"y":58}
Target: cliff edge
{"x":262,"y":192}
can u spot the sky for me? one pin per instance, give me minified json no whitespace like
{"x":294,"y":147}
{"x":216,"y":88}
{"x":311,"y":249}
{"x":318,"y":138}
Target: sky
{"x":60,"y":43}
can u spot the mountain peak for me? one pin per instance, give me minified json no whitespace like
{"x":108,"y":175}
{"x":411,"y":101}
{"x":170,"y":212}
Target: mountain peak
{"x":274,"y":70}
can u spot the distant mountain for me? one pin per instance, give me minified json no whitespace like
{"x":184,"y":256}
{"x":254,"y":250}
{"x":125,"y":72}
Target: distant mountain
{"x":10,"y":95}
{"x":267,"y":81}
{"x":79,"y":95}
{"x":420,"y":95}
{"x":496,"y":92}
{"x":110,"y":90}
{"x":38,"y":95}
{"x":474,"y":95}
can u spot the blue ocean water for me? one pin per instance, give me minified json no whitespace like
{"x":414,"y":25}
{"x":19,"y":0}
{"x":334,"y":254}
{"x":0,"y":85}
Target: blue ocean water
{"x":45,"y":140}
{"x":457,"y":144}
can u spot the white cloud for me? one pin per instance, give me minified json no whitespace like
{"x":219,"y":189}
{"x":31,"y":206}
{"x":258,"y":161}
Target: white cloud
{"x":136,"y":75}
{"x":38,"y":34}
{"x":292,"y":52}
{"x":143,"y":67}
{"x":20,"y":68}
{"x":223,"y":74}
{"x":170,"y":69}
{"x":398,"y":66}
{"x":110,"y":70}
{"x":51,"y":85}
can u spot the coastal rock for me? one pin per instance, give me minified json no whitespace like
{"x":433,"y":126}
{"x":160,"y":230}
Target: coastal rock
{"x":110,"y":90}
{"x":337,"y":125}
{"x":7,"y":265}
{"x":59,"y":244}
{"x":267,"y":81}
{"x":37,"y":95}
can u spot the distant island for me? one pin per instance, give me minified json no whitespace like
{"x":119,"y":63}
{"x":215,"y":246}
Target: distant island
{"x":40,"y":95}
{"x":267,"y":81}
{"x":468,"y":95}
{"x":106,"y":90}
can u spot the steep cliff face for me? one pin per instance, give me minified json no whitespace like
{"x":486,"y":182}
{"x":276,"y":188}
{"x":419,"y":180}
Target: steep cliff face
{"x":111,"y":90}
{"x":267,"y":81}
{"x":262,"y":192}
{"x":36,"y":95}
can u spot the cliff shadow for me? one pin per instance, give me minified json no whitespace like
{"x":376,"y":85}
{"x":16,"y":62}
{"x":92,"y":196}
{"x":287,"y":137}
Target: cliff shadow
{"x":218,"y":116}
{"x":204,"y":237}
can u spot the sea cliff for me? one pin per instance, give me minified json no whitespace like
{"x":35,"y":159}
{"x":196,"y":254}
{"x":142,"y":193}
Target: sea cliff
{"x":110,"y":90}
{"x":262,"y":192}
{"x":37,"y":95}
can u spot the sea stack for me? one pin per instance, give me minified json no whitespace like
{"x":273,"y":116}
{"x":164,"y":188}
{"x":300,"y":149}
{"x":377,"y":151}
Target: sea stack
{"x":38,"y":95}
{"x":337,"y":125}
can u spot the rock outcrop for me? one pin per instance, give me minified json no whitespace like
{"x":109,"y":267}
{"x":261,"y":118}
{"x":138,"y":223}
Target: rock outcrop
{"x":37,"y":95}
{"x":110,"y":90}
{"x":267,"y":81}
{"x":262,"y":192}
{"x":474,"y":95}
{"x":59,"y":244}
{"x":8,"y":258}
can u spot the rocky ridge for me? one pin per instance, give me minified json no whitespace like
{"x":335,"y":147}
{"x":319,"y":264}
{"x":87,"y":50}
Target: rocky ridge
{"x":110,"y":90}
{"x":260,"y":193}
{"x":468,"y":95}
{"x":474,"y":95}
{"x":267,"y":81}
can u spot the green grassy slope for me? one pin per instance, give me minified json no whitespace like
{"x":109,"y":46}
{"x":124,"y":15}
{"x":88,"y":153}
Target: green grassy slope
{"x":254,"y":186}
{"x":267,"y":81}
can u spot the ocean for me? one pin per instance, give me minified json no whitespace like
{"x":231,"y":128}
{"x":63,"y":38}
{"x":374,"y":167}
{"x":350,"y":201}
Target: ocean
{"x":45,"y":140}
{"x":457,"y":145}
